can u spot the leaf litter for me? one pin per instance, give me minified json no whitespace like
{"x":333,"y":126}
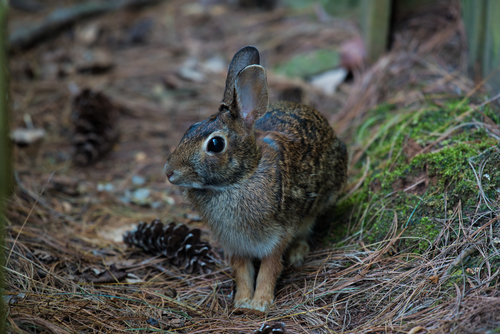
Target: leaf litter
{"x":65,"y":274}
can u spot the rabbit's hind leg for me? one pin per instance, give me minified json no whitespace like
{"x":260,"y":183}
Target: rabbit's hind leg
{"x":299,"y":248}
{"x":244,"y":272}
{"x":297,"y":253}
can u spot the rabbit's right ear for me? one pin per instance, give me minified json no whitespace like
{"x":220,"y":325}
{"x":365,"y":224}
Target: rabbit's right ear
{"x":251,"y":95}
{"x":248,"y":55}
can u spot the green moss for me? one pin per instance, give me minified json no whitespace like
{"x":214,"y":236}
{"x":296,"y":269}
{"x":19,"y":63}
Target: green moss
{"x":456,"y":278}
{"x":306,"y":65}
{"x":338,"y":231}
{"x":418,"y":193}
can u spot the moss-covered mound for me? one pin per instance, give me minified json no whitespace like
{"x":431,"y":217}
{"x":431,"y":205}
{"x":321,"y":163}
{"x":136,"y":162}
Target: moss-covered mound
{"x":427,"y":172}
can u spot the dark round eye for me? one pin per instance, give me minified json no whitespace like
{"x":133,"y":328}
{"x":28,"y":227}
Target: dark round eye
{"x":215,"y":145}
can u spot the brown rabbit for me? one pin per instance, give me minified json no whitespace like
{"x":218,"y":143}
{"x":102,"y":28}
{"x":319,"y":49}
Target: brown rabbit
{"x":260,"y":176}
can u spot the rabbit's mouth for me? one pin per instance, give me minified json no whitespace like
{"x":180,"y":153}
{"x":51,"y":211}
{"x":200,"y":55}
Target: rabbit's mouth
{"x":178,"y":178}
{"x":177,"y":181}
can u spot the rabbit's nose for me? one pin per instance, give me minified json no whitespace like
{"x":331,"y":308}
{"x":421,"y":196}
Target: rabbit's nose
{"x":168,"y":171}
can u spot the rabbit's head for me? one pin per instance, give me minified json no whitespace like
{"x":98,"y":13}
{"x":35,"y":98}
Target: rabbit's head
{"x":222,"y":150}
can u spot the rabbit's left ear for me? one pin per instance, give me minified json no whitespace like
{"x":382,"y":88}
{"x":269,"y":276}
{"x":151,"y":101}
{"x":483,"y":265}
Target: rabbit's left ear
{"x":251,"y":94}
{"x":246,"y":56}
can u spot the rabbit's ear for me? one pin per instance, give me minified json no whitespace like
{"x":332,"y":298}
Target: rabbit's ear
{"x":248,"y":55}
{"x":251,"y":94}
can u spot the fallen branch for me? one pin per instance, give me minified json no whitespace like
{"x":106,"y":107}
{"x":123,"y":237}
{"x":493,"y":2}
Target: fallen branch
{"x":60,"y":19}
{"x":29,"y":6}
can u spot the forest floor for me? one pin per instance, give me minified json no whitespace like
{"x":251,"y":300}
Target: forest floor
{"x":415,"y":246}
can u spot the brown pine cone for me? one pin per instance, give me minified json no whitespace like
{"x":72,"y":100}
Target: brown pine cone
{"x":178,"y":243}
{"x":271,"y":328}
{"x":95,"y":121}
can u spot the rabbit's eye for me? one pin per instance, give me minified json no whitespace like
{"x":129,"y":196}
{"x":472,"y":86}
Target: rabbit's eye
{"x":215,"y":145}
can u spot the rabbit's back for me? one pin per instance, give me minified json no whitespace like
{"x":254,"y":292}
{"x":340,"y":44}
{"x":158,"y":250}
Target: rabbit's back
{"x":313,"y":162}
{"x":298,"y":121}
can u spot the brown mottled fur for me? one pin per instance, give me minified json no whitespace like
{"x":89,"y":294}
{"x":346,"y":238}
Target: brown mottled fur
{"x":281,"y":168}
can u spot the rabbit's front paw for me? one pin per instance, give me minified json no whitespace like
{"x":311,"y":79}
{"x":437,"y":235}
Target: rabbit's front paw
{"x":260,"y":304}
{"x":297,"y":253}
{"x":243,"y":303}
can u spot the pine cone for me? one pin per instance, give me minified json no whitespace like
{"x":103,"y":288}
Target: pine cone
{"x":178,"y":243}
{"x":95,"y":121}
{"x":268,"y":328}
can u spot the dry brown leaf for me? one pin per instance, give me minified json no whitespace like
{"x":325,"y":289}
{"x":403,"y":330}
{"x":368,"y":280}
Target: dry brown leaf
{"x":411,"y":148}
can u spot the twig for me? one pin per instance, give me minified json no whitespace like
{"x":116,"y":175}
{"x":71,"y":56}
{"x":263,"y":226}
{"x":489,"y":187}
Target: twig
{"x":444,"y":136}
{"x":463,"y":255}
{"x":59,"y":19}
{"x":38,"y":199}
{"x":496,"y":97}
{"x":476,"y":88}
{"x":27,"y":217}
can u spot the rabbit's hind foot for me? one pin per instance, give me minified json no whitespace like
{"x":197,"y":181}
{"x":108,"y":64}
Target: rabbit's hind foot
{"x":297,"y":253}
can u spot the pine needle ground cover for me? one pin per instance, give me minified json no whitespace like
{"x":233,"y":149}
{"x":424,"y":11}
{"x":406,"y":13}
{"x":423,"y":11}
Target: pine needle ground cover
{"x":419,"y":250}
{"x":412,"y":247}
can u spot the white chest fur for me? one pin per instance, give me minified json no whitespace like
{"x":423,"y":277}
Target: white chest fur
{"x":240,"y":219}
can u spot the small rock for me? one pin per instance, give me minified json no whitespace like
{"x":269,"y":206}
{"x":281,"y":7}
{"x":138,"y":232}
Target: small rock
{"x":26,"y":137}
{"x":140,"y":196}
{"x":67,"y":207}
{"x":329,"y":81}
{"x":105,"y":187}
{"x":140,"y":156}
{"x":170,"y":200}
{"x":133,"y":279}
{"x":93,"y":61}
{"x":193,"y":217}
{"x":96,"y":271}
{"x":138,"y":180}
{"x":12,"y":299}
{"x":176,"y":323}
{"x":87,"y":34}
{"x":215,"y":64}
{"x":153,"y":322}
{"x":189,"y":72}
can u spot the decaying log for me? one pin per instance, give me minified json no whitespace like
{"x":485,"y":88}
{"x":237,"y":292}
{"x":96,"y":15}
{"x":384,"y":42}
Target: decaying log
{"x":59,"y":19}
